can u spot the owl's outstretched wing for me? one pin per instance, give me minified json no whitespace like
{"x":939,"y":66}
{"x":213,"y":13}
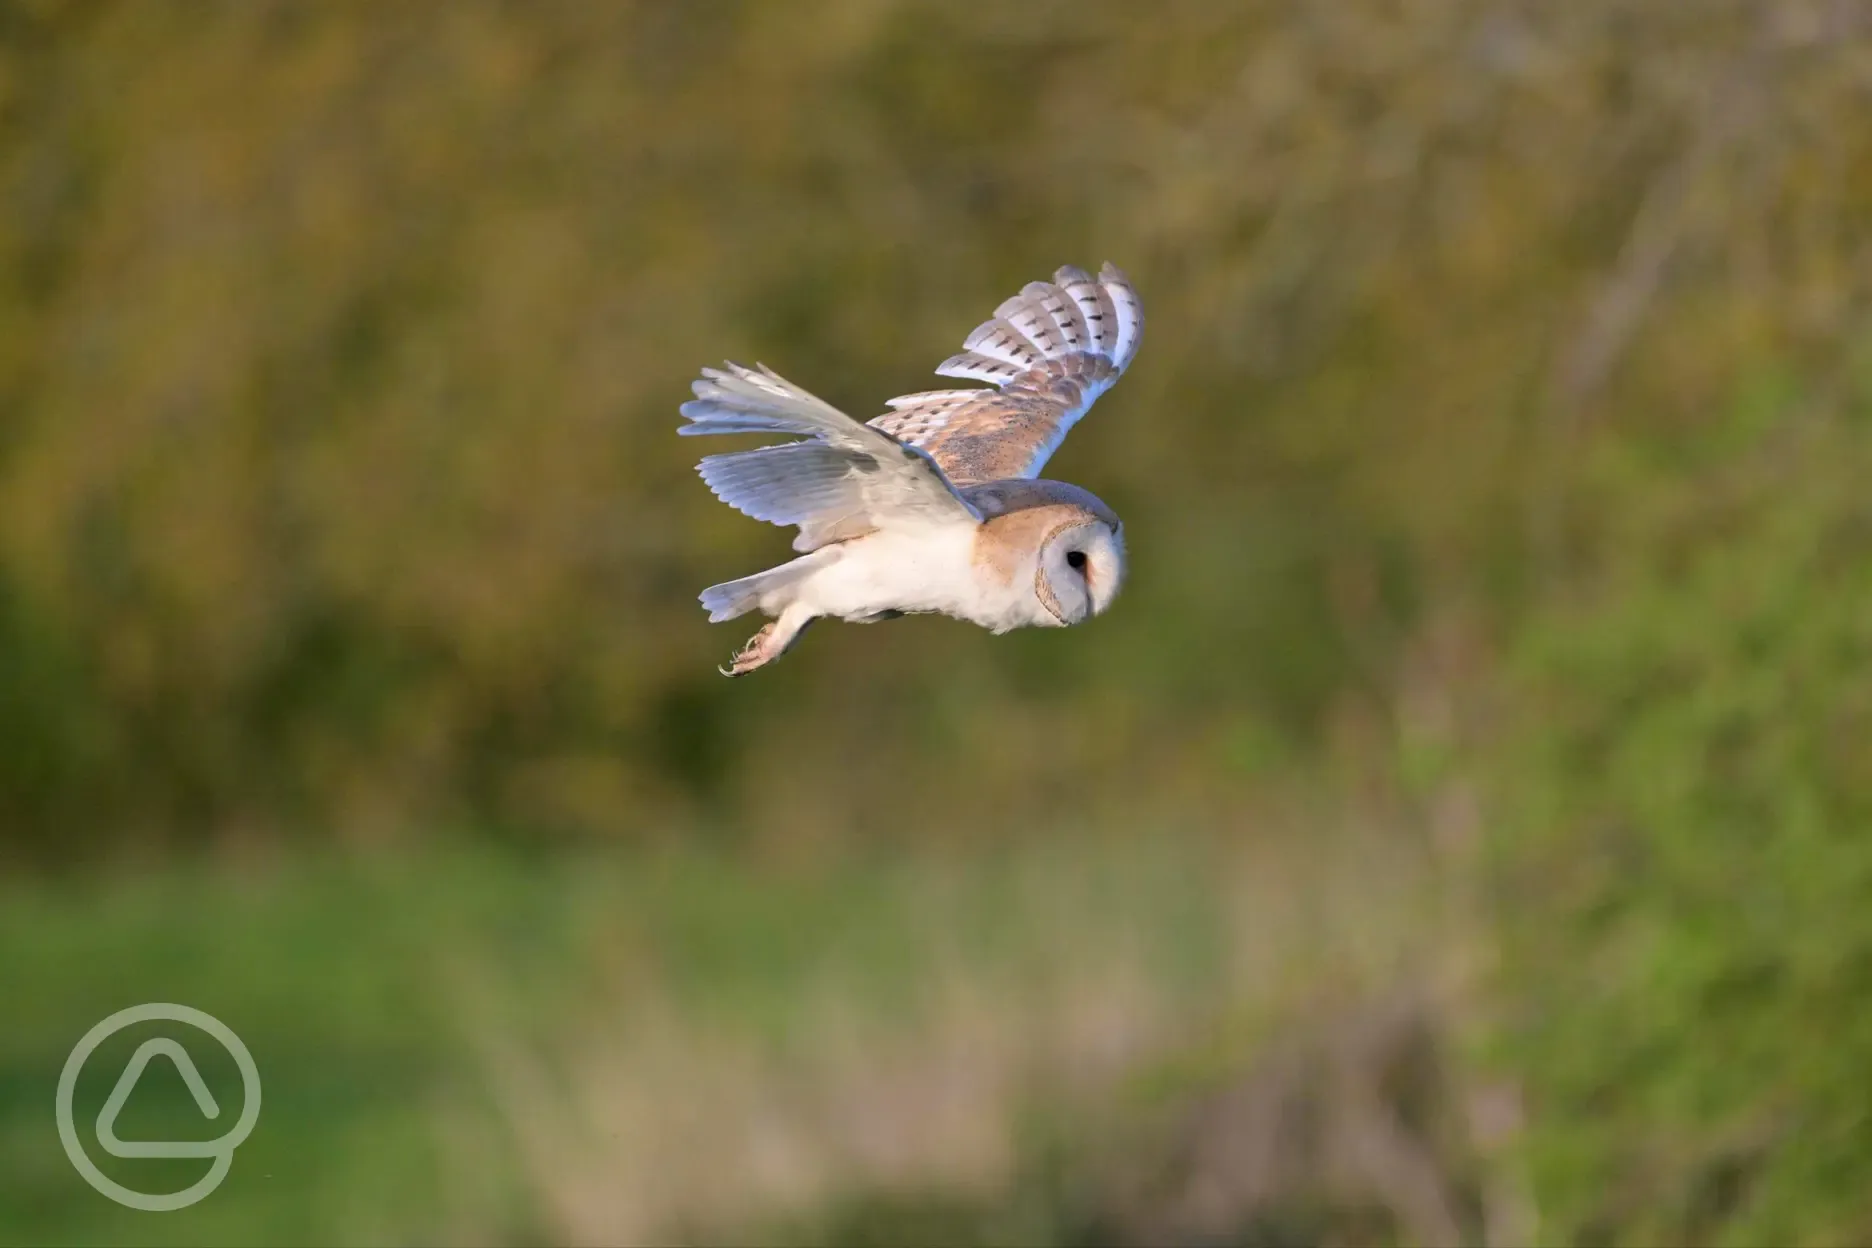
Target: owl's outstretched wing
{"x":845,"y":480}
{"x":1050,"y":352}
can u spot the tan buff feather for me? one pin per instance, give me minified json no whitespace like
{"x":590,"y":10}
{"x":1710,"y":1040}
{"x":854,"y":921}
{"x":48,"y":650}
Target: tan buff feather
{"x":1050,"y":351}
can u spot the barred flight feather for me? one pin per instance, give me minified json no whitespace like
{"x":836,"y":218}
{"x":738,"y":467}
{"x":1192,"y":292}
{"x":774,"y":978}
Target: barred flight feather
{"x":1050,"y":351}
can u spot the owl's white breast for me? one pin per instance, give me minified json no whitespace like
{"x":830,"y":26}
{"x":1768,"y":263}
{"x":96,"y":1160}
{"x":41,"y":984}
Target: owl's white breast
{"x":921,"y":569}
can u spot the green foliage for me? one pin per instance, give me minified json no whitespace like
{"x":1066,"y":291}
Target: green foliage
{"x":340,"y":348}
{"x":1685,"y":864}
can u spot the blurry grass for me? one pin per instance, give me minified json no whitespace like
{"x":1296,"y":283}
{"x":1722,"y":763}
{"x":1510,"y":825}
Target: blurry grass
{"x":476,"y":1048}
{"x":320,"y":969}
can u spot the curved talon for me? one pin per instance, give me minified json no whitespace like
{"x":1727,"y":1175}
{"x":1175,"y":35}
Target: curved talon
{"x":751,"y":655}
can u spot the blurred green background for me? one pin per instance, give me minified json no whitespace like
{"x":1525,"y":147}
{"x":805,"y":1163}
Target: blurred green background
{"x":1459,"y":832}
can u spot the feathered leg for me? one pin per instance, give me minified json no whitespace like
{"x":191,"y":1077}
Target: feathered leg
{"x":771,"y":642}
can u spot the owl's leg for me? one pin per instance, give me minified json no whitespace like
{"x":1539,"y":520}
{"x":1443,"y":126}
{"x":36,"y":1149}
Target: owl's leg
{"x":771,"y":642}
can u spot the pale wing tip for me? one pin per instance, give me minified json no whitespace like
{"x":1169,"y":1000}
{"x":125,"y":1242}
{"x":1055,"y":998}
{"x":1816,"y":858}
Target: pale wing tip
{"x":711,"y":404}
{"x":1009,"y":306}
{"x":1130,"y":313}
{"x":730,"y":370}
{"x":973,"y":366}
{"x":736,"y":383}
{"x":1070,"y":275}
{"x":709,"y":384}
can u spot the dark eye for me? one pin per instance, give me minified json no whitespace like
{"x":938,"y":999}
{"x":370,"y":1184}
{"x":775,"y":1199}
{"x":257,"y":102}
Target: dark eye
{"x":1075,"y":559}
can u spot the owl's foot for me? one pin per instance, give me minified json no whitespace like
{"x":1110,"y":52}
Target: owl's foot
{"x":756,"y":653}
{"x":767,"y":645}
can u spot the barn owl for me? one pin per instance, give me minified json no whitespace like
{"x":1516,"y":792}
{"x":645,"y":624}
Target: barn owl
{"x":937,"y":505}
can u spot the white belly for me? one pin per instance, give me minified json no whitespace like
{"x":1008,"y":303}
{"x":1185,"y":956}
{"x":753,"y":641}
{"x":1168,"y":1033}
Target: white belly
{"x":919,"y":570}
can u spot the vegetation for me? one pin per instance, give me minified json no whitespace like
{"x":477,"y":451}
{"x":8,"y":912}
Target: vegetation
{"x":1466,"y":806}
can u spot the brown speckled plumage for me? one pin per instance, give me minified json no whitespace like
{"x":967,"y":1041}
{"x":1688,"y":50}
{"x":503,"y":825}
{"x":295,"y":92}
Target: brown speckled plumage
{"x":1050,"y":352}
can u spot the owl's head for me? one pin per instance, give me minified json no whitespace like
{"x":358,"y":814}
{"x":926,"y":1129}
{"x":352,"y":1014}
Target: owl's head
{"x":1081,"y":568}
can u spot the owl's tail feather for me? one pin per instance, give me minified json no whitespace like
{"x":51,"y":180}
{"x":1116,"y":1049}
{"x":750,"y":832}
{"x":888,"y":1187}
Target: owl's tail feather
{"x":736,"y":598}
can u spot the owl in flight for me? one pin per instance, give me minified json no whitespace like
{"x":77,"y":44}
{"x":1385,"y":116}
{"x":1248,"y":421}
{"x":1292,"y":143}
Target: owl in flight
{"x":936,"y":505}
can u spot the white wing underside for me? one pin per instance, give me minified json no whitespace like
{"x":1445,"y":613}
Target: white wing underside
{"x":845,"y":480}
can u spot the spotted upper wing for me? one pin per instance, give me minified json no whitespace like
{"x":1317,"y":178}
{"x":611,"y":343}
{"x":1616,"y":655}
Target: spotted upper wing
{"x":1050,"y":351}
{"x":845,"y":479}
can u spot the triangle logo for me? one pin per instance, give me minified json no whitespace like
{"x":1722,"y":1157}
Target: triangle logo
{"x":126,"y":1084}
